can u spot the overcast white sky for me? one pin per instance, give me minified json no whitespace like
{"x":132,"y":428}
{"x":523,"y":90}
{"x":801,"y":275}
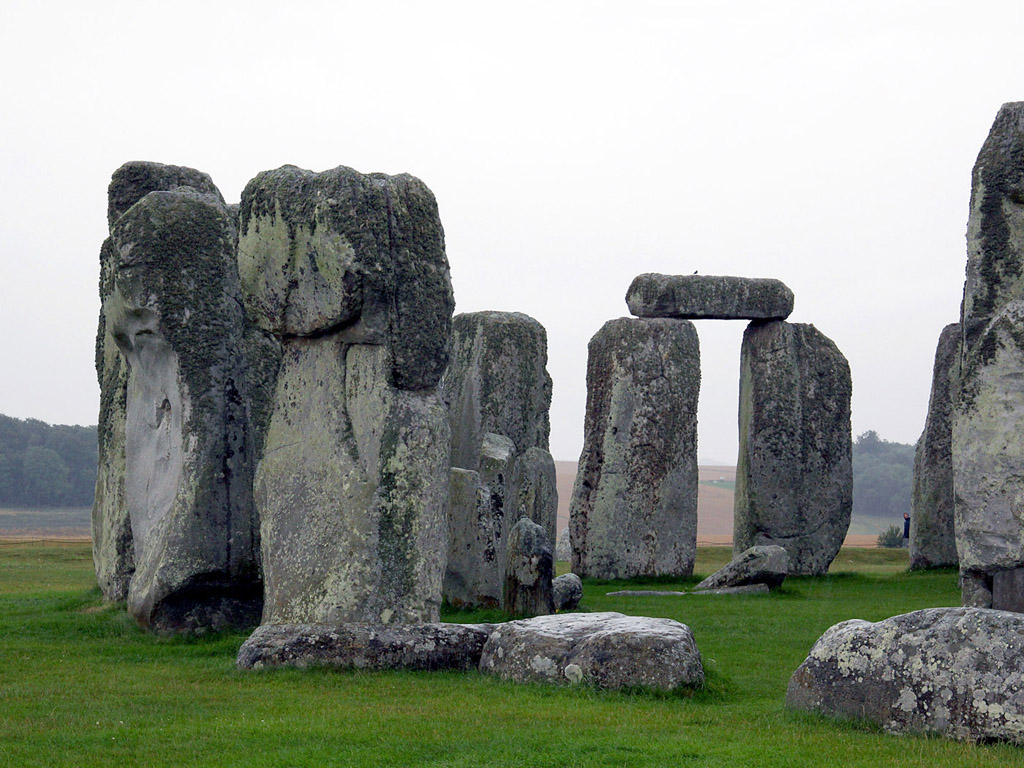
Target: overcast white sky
{"x":571,"y":146}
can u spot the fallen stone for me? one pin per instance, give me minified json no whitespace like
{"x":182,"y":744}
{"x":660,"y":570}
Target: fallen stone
{"x":529,"y":571}
{"x":748,"y":589}
{"x":794,"y":474}
{"x":608,"y":650}
{"x":958,"y":672}
{"x":634,"y":505}
{"x":567,"y":591}
{"x":694,"y":297}
{"x":365,"y":646}
{"x":932,"y":530}
{"x":768,"y":565}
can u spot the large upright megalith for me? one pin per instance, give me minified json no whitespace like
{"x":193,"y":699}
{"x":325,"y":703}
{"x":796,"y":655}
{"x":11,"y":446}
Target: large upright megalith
{"x":634,"y":504}
{"x":932,"y":533}
{"x":349,"y":271}
{"x":988,"y":417}
{"x":498,"y":393}
{"x":794,"y":474}
{"x":174,"y":310}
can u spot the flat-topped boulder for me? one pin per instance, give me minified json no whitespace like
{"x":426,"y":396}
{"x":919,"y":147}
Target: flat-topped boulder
{"x":609,"y":650}
{"x":709,"y":297}
{"x":958,"y":672}
{"x":365,"y":646}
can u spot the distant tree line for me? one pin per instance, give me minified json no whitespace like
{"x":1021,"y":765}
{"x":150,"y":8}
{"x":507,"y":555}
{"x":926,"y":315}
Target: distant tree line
{"x":883,"y":475}
{"x":46,"y":466}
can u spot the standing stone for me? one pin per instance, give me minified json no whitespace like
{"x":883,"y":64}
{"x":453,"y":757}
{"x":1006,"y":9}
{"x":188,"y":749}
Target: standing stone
{"x":794,"y":477}
{"x":634,"y":504}
{"x":932,"y":533}
{"x":563,"y":548}
{"x":529,"y":570}
{"x":988,"y":416}
{"x":175,"y":313}
{"x":350,"y":271}
{"x":567,"y":591}
{"x":498,"y":393}
{"x":694,"y":297}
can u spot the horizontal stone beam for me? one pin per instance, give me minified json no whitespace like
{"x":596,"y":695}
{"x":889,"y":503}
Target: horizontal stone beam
{"x":706,"y":297}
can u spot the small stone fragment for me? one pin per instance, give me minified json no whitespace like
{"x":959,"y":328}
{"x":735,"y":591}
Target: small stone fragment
{"x":695,"y":297}
{"x":567,"y":590}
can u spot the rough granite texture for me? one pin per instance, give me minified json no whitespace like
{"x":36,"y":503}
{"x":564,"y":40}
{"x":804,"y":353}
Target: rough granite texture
{"x":566,"y":591}
{"x":988,"y":455}
{"x":365,"y":646}
{"x":529,"y":570}
{"x":932,"y":532}
{"x":958,"y":672}
{"x":343,"y":252}
{"x":634,"y":505}
{"x":768,"y":565}
{"x":175,"y":314}
{"x":352,"y":490}
{"x":695,"y":297}
{"x":607,"y":650}
{"x":794,"y":475}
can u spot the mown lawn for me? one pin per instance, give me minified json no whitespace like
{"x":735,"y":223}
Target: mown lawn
{"x":80,"y":685}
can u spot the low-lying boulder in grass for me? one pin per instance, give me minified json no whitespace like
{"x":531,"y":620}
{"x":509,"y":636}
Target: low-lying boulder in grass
{"x":766,"y":564}
{"x":609,"y":650}
{"x":958,"y":672}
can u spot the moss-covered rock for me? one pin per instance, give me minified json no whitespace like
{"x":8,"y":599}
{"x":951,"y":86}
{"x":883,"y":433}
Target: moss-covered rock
{"x":709,"y":297}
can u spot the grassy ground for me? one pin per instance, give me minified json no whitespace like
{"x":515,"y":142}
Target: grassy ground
{"x":81,"y":686}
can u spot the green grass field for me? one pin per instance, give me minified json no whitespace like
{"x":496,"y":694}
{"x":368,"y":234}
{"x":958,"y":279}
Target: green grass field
{"x":80,"y":685}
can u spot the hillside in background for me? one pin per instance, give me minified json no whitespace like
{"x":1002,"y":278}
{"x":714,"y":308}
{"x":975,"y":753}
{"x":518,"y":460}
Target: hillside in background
{"x":883,"y":475}
{"x":43,"y":465}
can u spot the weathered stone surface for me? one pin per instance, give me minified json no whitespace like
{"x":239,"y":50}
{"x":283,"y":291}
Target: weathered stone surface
{"x":566,"y":591}
{"x":348,"y":253}
{"x":932,"y":532}
{"x":988,"y":455}
{"x":365,"y":646}
{"x":768,"y":565}
{"x":958,"y":672}
{"x":175,"y":314}
{"x":608,"y":650}
{"x":693,"y":297}
{"x":497,"y":382}
{"x":536,"y":489}
{"x":634,"y":505}
{"x":529,"y":570}
{"x":479,"y":521}
{"x":112,"y":546}
{"x":134,"y":180}
{"x":352,"y":490}
{"x":563,"y":548}
{"x":794,"y":476}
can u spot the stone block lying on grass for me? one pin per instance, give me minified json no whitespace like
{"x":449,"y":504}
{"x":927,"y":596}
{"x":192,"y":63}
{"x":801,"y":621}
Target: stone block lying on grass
{"x":958,"y":672}
{"x":608,"y":650}
{"x":365,"y":646}
{"x":768,"y":564}
{"x":748,"y":589}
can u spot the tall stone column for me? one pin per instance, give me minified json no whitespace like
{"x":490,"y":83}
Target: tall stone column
{"x":794,"y":476}
{"x":932,"y":530}
{"x":349,"y":270}
{"x":634,"y":504}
